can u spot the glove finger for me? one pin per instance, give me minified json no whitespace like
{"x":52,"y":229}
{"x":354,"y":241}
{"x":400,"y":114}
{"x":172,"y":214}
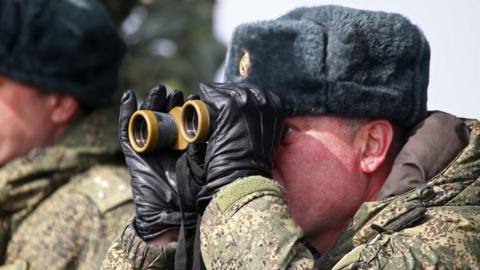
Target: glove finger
{"x":258,"y":94}
{"x":279,"y":130}
{"x":128,"y":106}
{"x":156,"y":99}
{"x":232,"y":89}
{"x":278,"y":125}
{"x":214,"y":94}
{"x":174,"y":99}
{"x":242,"y":93}
{"x":274,"y":101}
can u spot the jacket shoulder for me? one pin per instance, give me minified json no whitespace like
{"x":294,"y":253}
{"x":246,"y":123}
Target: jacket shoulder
{"x":107,"y":186}
{"x":252,"y":204}
{"x":447,"y":238}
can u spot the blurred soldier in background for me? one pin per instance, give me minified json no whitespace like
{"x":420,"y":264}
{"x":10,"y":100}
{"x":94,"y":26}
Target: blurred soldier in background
{"x":63,"y":189}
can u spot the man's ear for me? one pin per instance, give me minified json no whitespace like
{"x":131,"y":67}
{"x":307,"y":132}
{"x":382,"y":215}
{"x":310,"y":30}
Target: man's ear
{"x":374,"y":138}
{"x":64,"y":108}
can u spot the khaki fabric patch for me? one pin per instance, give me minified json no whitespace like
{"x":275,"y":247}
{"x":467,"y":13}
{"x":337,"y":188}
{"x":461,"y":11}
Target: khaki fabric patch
{"x":242,"y":188}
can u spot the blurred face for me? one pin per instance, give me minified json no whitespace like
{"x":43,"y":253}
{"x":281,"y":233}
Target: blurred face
{"x":25,"y":119}
{"x":318,"y":166}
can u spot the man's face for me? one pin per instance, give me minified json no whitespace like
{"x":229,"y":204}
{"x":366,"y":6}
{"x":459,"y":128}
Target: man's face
{"x":318,"y":164}
{"x":24,"y":119}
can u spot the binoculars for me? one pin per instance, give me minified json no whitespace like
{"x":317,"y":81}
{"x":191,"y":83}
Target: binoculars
{"x":151,"y":130}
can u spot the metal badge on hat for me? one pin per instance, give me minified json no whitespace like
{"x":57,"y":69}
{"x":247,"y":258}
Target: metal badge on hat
{"x":244,"y":66}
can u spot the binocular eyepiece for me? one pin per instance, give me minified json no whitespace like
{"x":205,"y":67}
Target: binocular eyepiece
{"x":150,"y":130}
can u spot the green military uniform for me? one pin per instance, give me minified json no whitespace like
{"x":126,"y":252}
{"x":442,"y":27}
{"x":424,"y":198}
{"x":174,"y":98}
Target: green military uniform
{"x":434,"y":226}
{"x":61,"y":206}
{"x":247,"y":226}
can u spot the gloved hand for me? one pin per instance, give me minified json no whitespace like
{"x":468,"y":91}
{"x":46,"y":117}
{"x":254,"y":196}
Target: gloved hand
{"x":153,"y":181}
{"x":246,"y":127}
{"x":190,"y":173}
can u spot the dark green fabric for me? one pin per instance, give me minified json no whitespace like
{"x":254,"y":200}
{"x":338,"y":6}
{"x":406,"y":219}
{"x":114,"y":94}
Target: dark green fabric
{"x":66,"y":46}
{"x":337,"y":60}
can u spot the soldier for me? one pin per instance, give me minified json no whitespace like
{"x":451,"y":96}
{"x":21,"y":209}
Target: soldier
{"x":364,"y":177}
{"x":64,"y":189}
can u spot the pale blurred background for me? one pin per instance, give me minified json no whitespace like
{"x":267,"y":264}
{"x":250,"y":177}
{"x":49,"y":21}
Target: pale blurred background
{"x":183,"y":42}
{"x":452,"y":28}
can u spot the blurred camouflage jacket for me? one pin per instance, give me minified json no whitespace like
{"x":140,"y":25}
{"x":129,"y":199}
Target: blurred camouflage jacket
{"x":248,"y":226}
{"x":62,"y":205}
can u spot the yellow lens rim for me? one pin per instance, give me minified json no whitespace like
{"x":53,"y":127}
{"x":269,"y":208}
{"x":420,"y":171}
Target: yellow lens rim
{"x":152,"y":131}
{"x":203,"y":121}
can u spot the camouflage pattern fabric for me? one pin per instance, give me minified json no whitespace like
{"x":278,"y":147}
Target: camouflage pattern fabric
{"x":130,"y":252}
{"x":252,"y":231}
{"x":435,"y":226}
{"x":62,"y":206}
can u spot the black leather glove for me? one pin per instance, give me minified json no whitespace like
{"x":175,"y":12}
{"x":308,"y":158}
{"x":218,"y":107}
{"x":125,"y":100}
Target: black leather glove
{"x":247,"y":124}
{"x":190,"y":172}
{"x":153,"y":174}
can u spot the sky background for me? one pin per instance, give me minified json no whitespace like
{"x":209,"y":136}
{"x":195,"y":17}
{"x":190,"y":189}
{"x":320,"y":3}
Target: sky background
{"x":452,"y":28}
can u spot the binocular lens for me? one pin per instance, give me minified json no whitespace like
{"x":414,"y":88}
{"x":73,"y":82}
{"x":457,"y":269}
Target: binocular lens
{"x":190,"y":121}
{"x":150,"y":130}
{"x":140,"y":131}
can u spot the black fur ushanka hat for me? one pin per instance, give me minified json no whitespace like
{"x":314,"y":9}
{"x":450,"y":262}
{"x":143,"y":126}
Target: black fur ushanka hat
{"x":336,"y":60}
{"x":64,"y":46}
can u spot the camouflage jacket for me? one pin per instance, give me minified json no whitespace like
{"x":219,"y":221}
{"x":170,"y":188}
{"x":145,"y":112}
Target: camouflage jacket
{"x":61,"y":206}
{"x":247,"y":226}
{"x":434,"y":226}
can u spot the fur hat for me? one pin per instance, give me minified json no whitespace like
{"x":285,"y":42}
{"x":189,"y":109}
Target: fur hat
{"x":336,"y":60}
{"x":66,"y":46}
